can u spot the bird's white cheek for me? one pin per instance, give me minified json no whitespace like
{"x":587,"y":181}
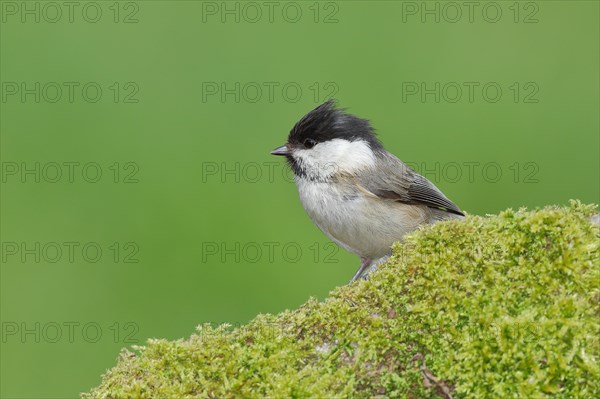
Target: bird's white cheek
{"x":337,"y":156}
{"x":352,"y":156}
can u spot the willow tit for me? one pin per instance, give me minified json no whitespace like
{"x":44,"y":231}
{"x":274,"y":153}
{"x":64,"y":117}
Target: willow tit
{"x":360,"y":195}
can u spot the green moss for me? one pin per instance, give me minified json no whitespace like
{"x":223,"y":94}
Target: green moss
{"x":495,"y":306}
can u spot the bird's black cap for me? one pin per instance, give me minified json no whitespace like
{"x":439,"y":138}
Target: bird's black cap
{"x":327,"y":122}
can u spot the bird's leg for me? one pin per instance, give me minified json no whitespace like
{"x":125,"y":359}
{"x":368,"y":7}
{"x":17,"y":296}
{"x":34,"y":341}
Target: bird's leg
{"x":364,"y":265}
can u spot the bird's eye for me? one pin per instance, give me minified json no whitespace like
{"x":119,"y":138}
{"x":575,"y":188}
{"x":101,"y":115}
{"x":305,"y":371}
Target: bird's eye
{"x":309,"y":143}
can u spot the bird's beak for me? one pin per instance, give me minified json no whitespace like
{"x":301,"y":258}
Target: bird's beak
{"x":283,"y":150}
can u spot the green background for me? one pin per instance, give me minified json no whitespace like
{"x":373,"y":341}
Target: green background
{"x":176,"y":133}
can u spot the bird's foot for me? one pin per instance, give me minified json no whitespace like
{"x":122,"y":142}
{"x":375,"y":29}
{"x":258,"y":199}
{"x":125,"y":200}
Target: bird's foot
{"x":374,"y":266}
{"x":364,"y":265}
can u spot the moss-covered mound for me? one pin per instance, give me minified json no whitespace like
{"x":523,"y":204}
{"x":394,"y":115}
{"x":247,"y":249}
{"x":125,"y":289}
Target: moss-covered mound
{"x":498,"y":306}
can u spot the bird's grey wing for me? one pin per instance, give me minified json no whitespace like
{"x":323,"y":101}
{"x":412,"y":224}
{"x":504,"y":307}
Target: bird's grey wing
{"x":394,"y":180}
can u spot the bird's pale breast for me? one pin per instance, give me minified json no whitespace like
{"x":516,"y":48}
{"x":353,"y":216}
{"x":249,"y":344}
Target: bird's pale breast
{"x":362,"y":224}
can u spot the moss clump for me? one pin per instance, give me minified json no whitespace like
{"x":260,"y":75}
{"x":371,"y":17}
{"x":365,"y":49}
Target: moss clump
{"x":498,"y":306}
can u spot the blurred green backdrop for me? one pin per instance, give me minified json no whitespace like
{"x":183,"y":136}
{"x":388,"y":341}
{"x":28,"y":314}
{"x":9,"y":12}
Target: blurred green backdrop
{"x":177,"y":104}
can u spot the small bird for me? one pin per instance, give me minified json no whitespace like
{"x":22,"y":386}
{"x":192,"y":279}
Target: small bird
{"x":360,"y":195}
